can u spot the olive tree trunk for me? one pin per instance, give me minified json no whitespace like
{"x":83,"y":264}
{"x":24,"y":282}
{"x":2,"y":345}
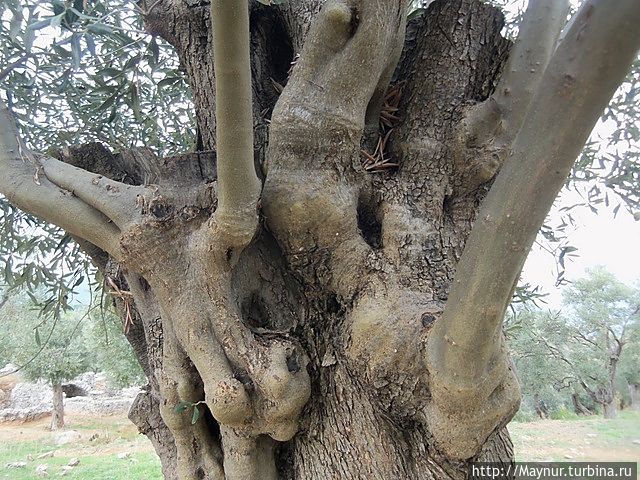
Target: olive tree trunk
{"x":634,"y":393}
{"x":57,"y":412}
{"x":319,"y":293}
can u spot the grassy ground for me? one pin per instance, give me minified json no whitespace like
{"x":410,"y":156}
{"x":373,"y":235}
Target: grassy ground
{"x":101,"y":440}
{"x":581,"y":440}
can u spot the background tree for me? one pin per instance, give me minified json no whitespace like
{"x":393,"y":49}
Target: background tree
{"x":112,"y":354}
{"x":603,"y":312}
{"x":356,"y":313}
{"x":630,"y":369}
{"x":581,"y":347}
{"x":52,"y":351}
{"x":547,"y":383}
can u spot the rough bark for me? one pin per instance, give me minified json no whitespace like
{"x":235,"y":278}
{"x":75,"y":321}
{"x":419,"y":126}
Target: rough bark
{"x":354,"y":330}
{"x":57,"y":412}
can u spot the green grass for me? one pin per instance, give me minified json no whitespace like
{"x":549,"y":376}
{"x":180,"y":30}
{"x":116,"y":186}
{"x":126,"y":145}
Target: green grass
{"x":98,"y":457}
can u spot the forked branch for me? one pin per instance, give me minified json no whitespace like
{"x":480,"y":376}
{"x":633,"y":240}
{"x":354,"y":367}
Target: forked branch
{"x":582,"y":76}
{"x":528,"y":60}
{"x":490,"y":127}
{"x":465,"y":347}
{"x":25,"y":183}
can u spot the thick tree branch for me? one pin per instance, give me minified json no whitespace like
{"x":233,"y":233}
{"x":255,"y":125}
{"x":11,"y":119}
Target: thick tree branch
{"x":114,"y":199}
{"x":580,"y":80}
{"x":239,"y":187}
{"x":465,"y":347}
{"x":490,"y":127}
{"x":24,"y":183}
{"x":528,"y":60}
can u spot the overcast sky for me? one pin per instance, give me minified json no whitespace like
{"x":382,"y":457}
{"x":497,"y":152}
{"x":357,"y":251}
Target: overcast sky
{"x":601,"y":240}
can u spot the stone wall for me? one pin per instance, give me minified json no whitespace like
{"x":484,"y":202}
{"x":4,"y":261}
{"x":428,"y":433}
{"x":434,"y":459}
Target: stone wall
{"x":88,"y":394}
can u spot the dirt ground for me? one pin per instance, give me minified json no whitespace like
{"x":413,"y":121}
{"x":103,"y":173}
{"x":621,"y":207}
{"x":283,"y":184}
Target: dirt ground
{"x":584,"y":439}
{"x":98,"y":435}
{"x":580,"y":440}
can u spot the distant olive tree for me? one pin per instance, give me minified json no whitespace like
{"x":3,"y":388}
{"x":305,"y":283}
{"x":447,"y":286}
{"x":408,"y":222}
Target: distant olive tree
{"x":581,"y":347}
{"x":53,"y":351}
{"x":112,"y":353}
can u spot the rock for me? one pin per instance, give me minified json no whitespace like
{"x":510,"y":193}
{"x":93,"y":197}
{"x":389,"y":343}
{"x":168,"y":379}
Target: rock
{"x":16,"y":465}
{"x":130,"y":392}
{"x":123,"y":455}
{"x":98,"y":405}
{"x":45,"y":455}
{"x":25,"y":396}
{"x":568,"y":457}
{"x":65,"y":470}
{"x":73,"y":390}
{"x":636,"y":442}
{"x":24,"y":415}
{"x":74,"y":462}
{"x":8,"y":369}
{"x":592,"y":435}
{"x":94,"y":437}
{"x":69,"y":436}
{"x":41,"y":471}
{"x":8,"y":381}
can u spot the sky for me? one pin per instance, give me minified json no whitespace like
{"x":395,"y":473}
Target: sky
{"x":600,"y":239}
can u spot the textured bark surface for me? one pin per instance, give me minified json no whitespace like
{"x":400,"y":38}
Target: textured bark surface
{"x":404,"y":231}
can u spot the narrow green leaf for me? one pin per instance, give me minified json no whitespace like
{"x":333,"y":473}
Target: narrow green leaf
{"x":182,"y":407}
{"x":99,"y":29}
{"x":91,"y":44}
{"x":40,"y":24}
{"x":76,"y":51}
{"x":195,"y":416}
{"x":16,"y":25}
{"x":155,"y":51}
{"x":168,"y":81}
{"x":416,"y":13}
{"x":135,"y":101}
{"x":56,"y":21}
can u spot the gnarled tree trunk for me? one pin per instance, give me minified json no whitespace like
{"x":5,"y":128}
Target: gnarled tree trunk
{"x":578,"y":407}
{"x":341,"y":317}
